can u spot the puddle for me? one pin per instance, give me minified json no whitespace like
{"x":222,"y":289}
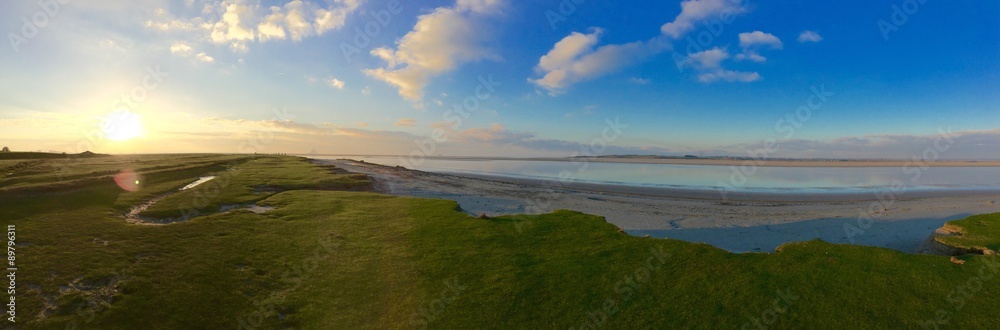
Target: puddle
{"x":200,"y":181}
{"x":133,"y":215}
{"x":249,"y":207}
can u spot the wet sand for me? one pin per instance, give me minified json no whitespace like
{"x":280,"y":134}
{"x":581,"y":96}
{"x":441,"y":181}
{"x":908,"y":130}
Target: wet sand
{"x":743,"y":222}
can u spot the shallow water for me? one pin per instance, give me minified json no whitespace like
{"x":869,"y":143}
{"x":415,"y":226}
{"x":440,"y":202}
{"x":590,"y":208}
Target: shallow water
{"x":906,"y":235}
{"x":196,"y":183}
{"x":709,"y":177}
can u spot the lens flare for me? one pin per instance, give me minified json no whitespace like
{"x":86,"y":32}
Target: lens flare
{"x":128,"y":180}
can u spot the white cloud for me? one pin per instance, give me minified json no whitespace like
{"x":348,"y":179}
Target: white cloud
{"x":709,"y":59}
{"x":235,"y":27}
{"x":238,"y":22}
{"x":205,"y":58}
{"x":753,"y":41}
{"x":810,"y":36}
{"x":336,"y":83}
{"x":271,"y":27}
{"x":758,"y":38}
{"x":567,"y":50}
{"x":366,"y":91}
{"x":439,"y":43}
{"x":181,"y":49}
{"x":709,"y":65}
{"x":478,"y":6}
{"x":695,"y":11}
{"x":334,"y":18}
{"x":729,"y":76}
{"x":574,"y":59}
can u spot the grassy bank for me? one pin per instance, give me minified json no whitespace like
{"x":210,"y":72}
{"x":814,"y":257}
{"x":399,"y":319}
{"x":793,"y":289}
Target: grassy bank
{"x":326,"y":258}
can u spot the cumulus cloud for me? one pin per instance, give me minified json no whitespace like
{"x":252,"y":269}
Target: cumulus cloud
{"x":709,"y":65}
{"x":809,"y":36}
{"x":238,"y":22}
{"x":439,"y":42}
{"x":181,"y":49}
{"x":696,"y":11}
{"x":336,"y":83}
{"x":751,"y":42}
{"x":205,"y":58}
{"x":758,"y":38}
{"x":709,"y":59}
{"x":574,"y":59}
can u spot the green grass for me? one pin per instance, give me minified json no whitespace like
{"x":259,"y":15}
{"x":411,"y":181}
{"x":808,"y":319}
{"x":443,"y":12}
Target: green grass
{"x":978,"y":232}
{"x":328,"y":259}
{"x":251,"y":181}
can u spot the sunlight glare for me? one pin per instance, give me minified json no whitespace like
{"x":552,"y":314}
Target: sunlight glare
{"x":121,"y":125}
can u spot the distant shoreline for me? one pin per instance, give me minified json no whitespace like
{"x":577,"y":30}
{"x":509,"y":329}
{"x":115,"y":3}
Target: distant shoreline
{"x":723,"y":162}
{"x":791,"y":163}
{"x":743,"y":222}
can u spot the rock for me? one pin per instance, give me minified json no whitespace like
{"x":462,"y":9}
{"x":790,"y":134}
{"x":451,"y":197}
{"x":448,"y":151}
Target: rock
{"x":482,"y":216}
{"x":957,"y":261}
{"x":989,"y":252}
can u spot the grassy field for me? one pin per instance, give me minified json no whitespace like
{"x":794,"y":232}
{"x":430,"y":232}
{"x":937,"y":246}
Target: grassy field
{"x":333,"y":256}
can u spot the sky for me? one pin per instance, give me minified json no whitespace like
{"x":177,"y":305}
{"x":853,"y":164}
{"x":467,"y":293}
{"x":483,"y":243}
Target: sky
{"x":795,"y":79}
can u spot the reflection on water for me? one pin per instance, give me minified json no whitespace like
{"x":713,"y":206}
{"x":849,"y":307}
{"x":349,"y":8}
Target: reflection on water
{"x":198,"y":182}
{"x":775,"y":179}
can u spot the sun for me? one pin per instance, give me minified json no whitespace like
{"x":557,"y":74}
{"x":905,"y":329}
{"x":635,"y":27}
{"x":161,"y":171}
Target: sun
{"x":121,"y":126}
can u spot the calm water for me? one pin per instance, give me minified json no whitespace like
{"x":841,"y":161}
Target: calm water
{"x":769,"y":179}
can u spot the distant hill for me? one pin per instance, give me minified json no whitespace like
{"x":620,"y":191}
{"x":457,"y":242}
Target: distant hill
{"x":47,"y":155}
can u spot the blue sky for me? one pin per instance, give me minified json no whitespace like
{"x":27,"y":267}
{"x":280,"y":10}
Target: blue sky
{"x":694,"y":77}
